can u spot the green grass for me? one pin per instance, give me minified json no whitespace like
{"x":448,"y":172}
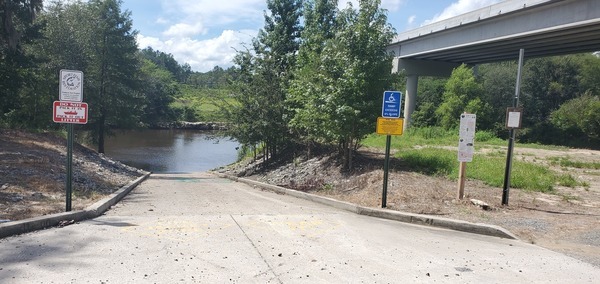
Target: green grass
{"x":431,"y":136}
{"x":566,"y":162}
{"x":201,"y":104}
{"x":417,"y":136}
{"x":431,"y":159}
{"x":489,"y":169}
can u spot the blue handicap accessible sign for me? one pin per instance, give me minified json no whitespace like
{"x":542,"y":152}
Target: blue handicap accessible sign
{"x":391,"y":104}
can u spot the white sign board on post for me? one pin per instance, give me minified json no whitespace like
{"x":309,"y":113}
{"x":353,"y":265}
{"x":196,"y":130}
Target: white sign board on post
{"x":466,"y":137}
{"x":514,"y":116}
{"x":71,"y":86}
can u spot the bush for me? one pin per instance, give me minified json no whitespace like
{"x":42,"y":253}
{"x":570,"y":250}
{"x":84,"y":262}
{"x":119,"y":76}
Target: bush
{"x":581,"y":114}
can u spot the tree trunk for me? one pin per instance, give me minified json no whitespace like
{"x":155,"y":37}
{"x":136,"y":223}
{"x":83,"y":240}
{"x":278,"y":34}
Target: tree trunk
{"x":101,"y":123}
{"x":350,"y":154}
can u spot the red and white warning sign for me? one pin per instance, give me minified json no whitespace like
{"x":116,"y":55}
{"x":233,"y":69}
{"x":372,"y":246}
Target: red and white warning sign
{"x":70,"y":112}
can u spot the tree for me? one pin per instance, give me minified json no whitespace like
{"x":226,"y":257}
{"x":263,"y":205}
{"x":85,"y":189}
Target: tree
{"x":16,"y":17}
{"x":498,"y":82}
{"x":430,"y":97}
{"x":462,"y":94}
{"x":590,"y":73}
{"x":17,"y":25}
{"x":266,"y":74}
{"x":64,"y":30}
{"x":547,"y":83}
{"x":579,"y":115}
{"x":305,"y":101}
{"x":112,"y":72}
{"x":351,"y":72}
{"x":158,"y":89}
{"x":166,"y":61}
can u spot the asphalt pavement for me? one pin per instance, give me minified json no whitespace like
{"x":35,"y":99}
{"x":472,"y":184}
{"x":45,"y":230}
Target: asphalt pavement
{"x":201,"y":228}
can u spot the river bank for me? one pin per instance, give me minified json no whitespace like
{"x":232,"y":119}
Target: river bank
{"x":186,"y":125}
{"x":32,"y":175}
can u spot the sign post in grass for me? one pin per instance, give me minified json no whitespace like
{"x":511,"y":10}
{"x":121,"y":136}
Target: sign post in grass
{"x":513,"y":121}
{"x":389,"y":124}
{"x":466,"y":145}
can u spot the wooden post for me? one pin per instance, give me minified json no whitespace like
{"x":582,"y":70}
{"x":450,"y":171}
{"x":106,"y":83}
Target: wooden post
{"x":461,"y":180}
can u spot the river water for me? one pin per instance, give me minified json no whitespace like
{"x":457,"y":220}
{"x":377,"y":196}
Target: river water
{"x":169,"y":151}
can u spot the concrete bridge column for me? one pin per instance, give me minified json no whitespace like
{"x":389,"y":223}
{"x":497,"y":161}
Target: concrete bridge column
{"x":414,"y":69}
{"x":410,"y":100}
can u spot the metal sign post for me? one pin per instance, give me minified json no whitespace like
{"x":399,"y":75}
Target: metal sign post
{"x":386,"y":168}
{"x":69,"y":166}
{"x":511,"y":138}
{"x":389,"y":124}
{"x":70,"y":110}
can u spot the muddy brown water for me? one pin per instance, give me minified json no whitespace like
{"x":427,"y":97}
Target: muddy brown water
{"x":170,"y":151}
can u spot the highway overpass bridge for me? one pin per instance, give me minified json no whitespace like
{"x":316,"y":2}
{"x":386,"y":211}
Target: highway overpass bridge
{"x":496,"y":33}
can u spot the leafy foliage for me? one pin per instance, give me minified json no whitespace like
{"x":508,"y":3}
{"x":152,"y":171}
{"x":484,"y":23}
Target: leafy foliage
{"x":263,"y":78}
{"x":166,"y":61}
{"x":333,"y":94}
{"x":462,"y":94}
{"x":579,"y":115}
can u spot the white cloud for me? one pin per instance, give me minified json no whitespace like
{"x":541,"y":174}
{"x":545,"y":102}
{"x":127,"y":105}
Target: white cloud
{"x":460,"y":7}
{"x":162,"y":21}
{"x":411,"y":20}
{"x":390,"y":5}
{"x":202,"y":55}
{"x":206,"y":33}
{"x":219,"y":12}
{"x":185,"y":30}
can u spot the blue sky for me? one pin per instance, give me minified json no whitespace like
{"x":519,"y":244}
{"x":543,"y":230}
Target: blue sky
{"x":206,"y":33}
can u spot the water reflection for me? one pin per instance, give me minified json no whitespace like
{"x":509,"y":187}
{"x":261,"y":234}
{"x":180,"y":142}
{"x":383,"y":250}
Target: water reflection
{"x":171,"y":150}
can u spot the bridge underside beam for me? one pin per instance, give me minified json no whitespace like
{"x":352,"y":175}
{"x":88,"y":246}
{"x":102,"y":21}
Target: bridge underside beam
{"x":424,"y":67}
{"x":558,"y":41}
{"x":492,"y":34}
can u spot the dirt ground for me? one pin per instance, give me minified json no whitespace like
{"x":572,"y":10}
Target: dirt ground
{"x":32,"y":178}
{"x":567,"y":220}
{"x":33,"y":173}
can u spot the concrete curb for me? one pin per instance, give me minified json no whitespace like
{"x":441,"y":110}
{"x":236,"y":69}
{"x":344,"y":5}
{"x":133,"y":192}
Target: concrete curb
{"x":434,"y":221}
{"x":92,"y":211}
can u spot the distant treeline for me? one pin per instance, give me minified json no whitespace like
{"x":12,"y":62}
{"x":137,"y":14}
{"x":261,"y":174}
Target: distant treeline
{"x":125,"y":87}
{"x":312,"y":77}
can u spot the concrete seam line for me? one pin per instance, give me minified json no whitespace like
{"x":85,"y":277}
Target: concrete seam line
{"x":42,"y":222}
{"x":457,"y":225}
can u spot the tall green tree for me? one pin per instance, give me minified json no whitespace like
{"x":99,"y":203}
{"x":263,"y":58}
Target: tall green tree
{"x":579,"y":116}
{"x":181,"y":72}
{"x":269,"y":68}
{"x":306,"y":101}
{"x":498,"y":81}
{"x":547,"y":84}
{"x":352,"y":71}
{"x":65,"y":30}
{"x":462,"y":93}
{"x":17,"y":27}
{"x":589,"y":75}
{"x":158,"y":90}
{"x":430,"y":97}
{"x":112,"y":73}
{"x":16,"y":17}
{"x":363,"y":66}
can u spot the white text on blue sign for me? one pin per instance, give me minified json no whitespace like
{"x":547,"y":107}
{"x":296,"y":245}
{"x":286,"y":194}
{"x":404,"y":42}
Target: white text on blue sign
{"x":391,"y":104}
